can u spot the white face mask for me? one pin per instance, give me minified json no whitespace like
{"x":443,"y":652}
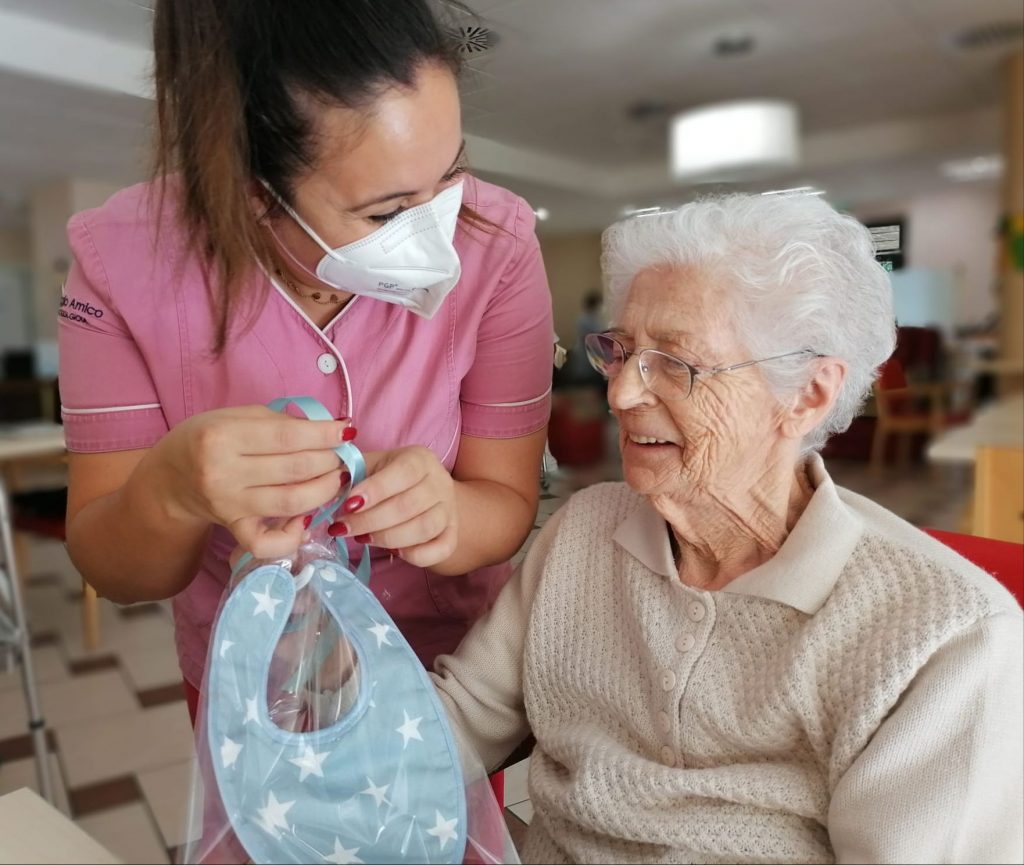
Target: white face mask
{"x":410,"y":261}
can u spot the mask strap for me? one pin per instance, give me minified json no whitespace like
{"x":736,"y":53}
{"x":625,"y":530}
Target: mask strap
{"x":349,"y":454}
{"x":305,"y":226}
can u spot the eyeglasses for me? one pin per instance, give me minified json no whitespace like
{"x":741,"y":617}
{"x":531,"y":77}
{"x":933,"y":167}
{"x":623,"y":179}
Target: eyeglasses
{"x":665,"y":375}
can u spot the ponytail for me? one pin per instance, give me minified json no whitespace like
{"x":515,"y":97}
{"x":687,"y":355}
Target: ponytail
{"x":201,"y":134}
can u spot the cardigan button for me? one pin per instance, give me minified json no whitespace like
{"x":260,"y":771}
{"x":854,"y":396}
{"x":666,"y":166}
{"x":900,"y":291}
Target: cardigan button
{"x":685,"y":642}
{"x":664,"y":723}
{"x":668,"y":756}
{"x":668,"y":680}
{"x":696,"y":611}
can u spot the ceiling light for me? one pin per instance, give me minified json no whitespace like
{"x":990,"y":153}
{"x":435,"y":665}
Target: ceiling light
{"x":795,"y":190}
{"x":628,"y":212}
{"x":976,"y":168}
{"x":541,"y":213}
{"x":735,"y":141}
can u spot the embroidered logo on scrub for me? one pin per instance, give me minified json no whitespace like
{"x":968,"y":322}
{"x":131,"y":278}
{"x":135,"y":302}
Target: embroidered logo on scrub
{"x":383,"y":784}
{"x":76,"y":310}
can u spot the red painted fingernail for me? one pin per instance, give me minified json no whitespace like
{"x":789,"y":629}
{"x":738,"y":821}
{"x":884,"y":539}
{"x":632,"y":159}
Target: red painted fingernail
{"x":353,"y":504}
{"x":307,"y":520}
{"x":337,"y":530}
{"x":364,"y":539}
{"x":346,"y":479}
{"x":349,"y":433}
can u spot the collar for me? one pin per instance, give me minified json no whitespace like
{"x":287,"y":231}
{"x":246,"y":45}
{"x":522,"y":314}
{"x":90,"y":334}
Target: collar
{"x":801,"y":574}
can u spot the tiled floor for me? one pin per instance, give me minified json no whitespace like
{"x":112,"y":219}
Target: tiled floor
{"x":119,"y":730}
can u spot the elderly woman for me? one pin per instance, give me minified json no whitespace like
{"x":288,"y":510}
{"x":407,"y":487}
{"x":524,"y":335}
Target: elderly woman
{"x":728,"y":658}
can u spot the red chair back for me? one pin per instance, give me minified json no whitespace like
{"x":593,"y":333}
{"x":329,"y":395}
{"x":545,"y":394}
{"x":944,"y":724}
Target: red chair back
{"x":1003,"y":560}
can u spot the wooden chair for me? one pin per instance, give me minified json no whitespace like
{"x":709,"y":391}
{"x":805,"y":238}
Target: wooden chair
{"x":909,"y":409}
{"x":999,"y":494}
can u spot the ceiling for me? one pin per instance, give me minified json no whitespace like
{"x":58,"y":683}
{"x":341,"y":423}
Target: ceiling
{"x":564,"y":74}
{"x":884,"y":93}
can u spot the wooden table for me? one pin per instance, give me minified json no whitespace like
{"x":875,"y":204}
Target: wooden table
{"x":33,"y":832}
{"x":990,"y":444}
{"x":29,"y":440}
{"x":999,"y":424}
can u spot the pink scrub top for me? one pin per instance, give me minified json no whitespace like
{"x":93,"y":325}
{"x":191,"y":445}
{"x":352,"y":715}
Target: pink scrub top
{"x":136,"y":336}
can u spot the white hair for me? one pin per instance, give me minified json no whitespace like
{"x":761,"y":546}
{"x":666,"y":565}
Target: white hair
{"x":804,"y":276}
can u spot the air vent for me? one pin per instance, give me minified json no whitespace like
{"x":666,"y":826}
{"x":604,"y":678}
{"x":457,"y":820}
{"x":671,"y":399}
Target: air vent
{"x":986,"y":37}
{"x":734,"y":45}
{"x":474,"y":41}
{"x":646,"y":110}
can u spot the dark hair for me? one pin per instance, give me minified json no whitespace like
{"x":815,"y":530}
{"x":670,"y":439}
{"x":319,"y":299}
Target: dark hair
{"x":237,"y":82}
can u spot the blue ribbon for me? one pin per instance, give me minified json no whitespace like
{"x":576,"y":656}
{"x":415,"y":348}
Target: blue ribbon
{"x":352,"y":457}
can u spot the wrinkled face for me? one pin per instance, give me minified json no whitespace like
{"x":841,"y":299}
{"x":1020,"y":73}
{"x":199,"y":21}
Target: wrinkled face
{"x":373,"y":164}
{"x":725,"y":433}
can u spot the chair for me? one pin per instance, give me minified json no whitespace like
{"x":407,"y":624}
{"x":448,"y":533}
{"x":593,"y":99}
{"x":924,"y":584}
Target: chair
{"x":1004,"y":561}
{"x":999,"y":494}
{"x":911,"y":396}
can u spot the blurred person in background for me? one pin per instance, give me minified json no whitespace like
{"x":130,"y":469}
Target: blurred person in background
{"x":578,"y":372}
{"x":311,"y":230}
{"x":728,"y":658}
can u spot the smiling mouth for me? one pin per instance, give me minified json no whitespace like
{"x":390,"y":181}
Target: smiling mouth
{"x":647,"y":440}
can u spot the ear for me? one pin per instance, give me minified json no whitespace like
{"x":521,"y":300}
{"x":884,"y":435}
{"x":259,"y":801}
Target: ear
{"x":260,"y":200}
{"x":813,"y":403}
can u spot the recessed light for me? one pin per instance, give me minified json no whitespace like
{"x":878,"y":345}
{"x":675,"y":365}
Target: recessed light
{"x":542,"y":213}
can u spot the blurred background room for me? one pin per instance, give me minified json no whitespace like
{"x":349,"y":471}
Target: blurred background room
{"x":909,"y":114}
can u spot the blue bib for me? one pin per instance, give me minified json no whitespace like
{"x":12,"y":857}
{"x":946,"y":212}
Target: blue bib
{"x":382,"y":784}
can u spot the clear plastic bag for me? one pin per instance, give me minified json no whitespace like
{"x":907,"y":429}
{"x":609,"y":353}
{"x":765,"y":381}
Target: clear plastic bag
{"x":319,"y":736}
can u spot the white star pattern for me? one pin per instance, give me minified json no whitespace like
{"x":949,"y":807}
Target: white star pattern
{"x":376,"y":792}
{"x":310,"y":763}
{"x":327,"y":575}
{"x":409,"y":730}
{"x":381,"y":633}
{"x":229,"y":752}
{"x":341,"y":856}
{"x":265,"y":603}
{"x":250,"y":710}
{"x":272,"y":815}
{"x":224,"y":646}
{"x":444,"y":830}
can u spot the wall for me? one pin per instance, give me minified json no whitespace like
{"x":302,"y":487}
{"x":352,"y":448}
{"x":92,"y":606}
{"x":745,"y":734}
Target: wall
{"x":1011,"y":337}
{"x":573,"y":263}
{"x":954,"y":230}
{"x":15,"y":246}
{"x":15,"y":290}
{"x":50,"y":207}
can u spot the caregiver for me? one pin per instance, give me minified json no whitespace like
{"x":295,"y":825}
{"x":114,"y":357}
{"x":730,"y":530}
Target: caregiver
{"x":311,"y":230}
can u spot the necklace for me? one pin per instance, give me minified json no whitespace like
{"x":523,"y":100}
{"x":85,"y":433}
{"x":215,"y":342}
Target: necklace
{"x":316,"y":296}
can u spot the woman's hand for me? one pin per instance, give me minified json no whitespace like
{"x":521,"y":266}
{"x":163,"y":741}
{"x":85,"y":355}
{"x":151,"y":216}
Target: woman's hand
{"x":406,"y":504}
{"x":239,"y":467}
